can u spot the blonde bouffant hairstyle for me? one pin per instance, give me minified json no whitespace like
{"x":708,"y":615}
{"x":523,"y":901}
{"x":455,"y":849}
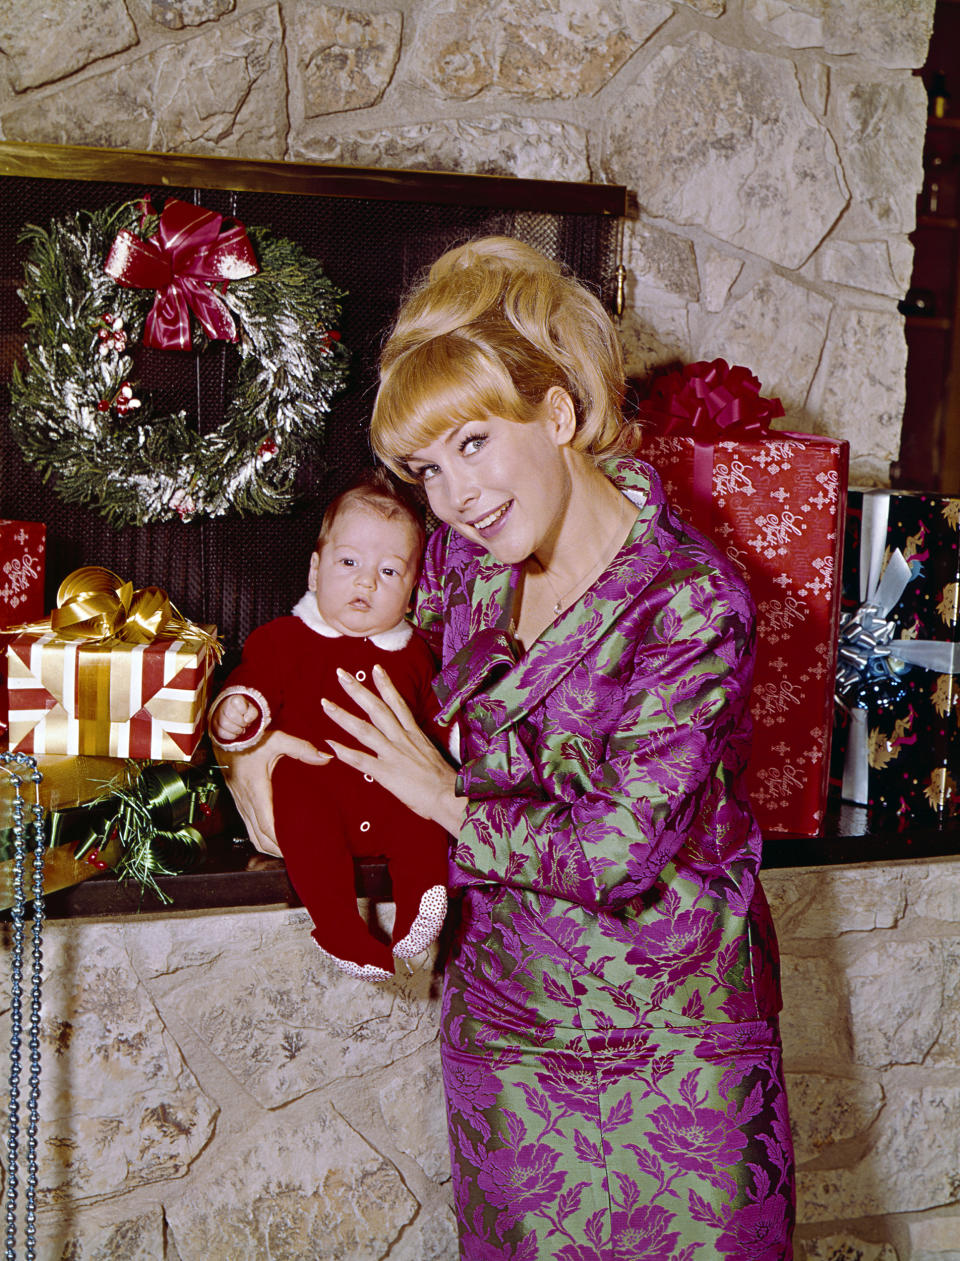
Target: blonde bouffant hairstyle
{"x":493,"y":327}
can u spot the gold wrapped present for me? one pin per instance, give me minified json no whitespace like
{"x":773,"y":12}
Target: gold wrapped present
{"x":112,"y":672}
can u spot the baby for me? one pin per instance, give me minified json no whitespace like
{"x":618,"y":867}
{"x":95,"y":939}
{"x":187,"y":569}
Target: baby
{"x":362,"y":574}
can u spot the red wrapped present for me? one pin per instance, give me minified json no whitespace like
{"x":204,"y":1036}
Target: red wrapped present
{"x":112,"y":672}
{"x":22,"y":545}
{"x":775,"y":503}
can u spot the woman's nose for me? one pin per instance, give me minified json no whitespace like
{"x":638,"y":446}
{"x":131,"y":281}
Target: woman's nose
{"x":462,"y":489}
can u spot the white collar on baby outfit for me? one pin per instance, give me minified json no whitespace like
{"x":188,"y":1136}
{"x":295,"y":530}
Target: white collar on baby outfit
{"x":391,"y":640}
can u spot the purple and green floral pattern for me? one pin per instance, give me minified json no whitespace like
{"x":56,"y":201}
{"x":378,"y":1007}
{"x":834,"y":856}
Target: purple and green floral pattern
{"x":610,"y":1048}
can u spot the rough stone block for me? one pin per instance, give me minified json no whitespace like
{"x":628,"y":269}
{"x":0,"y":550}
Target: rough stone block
{"x":879,"y":130}
{"x":119,"y":1107}
{"x":933,"y":890}
{"x":176,"y":14}
{"x":132,"y":1239}
{"x":501,"y":144}
{"x":223,"y":92}
{"x":758,"y":170}
{"x":777,"y":330}
{"x":845,"y":1246}
{"x":345,"y":58}
{"x":865,"y":360}
{"x":661,"y":262}
{"x":525,"y":48}
{"x":911,"y":1166}
{"x":935,"y":1238}
{"x":815,"y":1019}
{"x":826,"y":902}
{"x":829,"y":1110}
{"x":896,"y":1000}
{"x":420,"y":1132}
{"x":46,"y":43}
{"x":290,"y":1189}
{"x":280,"y":1018}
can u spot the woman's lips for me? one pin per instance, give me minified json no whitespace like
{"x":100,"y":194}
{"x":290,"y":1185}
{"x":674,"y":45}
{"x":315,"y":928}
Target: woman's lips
{"x":491,"y":524}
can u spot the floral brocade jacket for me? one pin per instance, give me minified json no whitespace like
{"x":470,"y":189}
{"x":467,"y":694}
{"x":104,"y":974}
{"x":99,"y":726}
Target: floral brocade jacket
{"x":608,"y":856}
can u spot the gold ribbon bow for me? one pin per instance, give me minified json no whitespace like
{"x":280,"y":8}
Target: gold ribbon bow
{"x":93,"y":604}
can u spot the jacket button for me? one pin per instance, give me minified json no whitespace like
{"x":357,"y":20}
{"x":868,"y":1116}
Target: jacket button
{"x":360,"y":675}
{"x":368,"y":778}
{"x":365,"y":826}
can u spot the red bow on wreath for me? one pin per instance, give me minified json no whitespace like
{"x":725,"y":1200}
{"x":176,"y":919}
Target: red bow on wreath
{"x":712,"y":402}
{"x":188,"y":254}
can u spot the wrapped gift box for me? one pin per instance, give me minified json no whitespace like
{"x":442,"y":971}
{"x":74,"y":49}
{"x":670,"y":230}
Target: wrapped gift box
{"x":66,"y":782}
{"x":22,"y":546}
{"x":775,"y":504}
{"x":111,"y":699}
{"x":898,"y":720}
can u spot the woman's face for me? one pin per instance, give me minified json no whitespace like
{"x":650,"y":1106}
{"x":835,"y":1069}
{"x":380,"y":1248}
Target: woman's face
{"x":504,"y":484}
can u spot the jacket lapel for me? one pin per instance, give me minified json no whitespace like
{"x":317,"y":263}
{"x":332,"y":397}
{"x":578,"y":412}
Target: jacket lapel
{"x":491,"y":660}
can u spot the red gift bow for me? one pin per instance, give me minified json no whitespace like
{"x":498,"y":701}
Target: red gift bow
{"x":712,"y":402}
{"x":188,"y":254}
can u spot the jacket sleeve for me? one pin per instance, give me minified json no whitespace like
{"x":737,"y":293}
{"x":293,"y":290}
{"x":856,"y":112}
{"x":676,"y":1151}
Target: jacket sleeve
{"x":667,"y":772}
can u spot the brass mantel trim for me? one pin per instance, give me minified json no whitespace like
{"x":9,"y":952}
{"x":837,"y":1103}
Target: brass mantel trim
{"x":310,"y":179}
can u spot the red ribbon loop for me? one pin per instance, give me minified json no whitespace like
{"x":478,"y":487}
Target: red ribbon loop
{"x":711,"y":402}
{"x":188,"y":254}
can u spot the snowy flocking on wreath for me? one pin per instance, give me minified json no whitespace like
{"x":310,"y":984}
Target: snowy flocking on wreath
{"x":98,"y":282}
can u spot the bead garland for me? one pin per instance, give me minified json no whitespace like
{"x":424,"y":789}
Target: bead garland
{"x":9,"y":762}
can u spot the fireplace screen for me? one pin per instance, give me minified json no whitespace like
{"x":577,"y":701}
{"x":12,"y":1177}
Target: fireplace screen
{"x":374,"y":234}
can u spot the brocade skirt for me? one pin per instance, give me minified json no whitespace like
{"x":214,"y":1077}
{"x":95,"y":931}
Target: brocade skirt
{"x":646,"y":1144}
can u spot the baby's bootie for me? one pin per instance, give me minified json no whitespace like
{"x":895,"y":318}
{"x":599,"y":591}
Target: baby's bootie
{"x":426,"y":925}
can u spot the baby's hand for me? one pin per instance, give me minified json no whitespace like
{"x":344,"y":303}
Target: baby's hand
{"x":232,"y":717}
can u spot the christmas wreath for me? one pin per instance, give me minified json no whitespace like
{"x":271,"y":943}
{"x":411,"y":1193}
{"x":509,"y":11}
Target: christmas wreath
{"x":98,"y":282}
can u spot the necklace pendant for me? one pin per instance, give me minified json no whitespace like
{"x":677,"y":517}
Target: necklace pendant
{"x":557,"y":609}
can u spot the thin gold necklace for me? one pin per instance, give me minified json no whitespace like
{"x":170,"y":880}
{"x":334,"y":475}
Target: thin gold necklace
{"x":585,"y":579}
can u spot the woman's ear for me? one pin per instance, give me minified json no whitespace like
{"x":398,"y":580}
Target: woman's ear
{"x":312,"y":575}
{"x":560,"y":411}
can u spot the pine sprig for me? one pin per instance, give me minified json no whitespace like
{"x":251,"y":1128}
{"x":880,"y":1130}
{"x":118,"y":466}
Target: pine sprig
{"x":136,"y":464}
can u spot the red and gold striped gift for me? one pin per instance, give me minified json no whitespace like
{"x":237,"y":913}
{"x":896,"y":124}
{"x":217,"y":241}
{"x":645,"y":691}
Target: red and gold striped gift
{"x":113,"y":672}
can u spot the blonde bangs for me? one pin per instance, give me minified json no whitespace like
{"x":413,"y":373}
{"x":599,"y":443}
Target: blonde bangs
{"x":434,"y":387}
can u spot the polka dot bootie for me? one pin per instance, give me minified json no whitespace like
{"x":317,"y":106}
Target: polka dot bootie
{"x":425,"y":929}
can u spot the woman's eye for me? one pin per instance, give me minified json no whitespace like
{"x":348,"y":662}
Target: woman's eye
{"x":472,"y":443}
{"x":427,"y":472}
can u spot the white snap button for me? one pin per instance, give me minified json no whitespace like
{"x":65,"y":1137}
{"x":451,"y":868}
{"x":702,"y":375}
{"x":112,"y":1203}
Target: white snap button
{"x":360,"y":675}
{"x":364,"y":826}
{"x":368,"y":778}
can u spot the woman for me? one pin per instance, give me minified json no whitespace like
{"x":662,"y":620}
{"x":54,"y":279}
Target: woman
{"x":609,"y":1037}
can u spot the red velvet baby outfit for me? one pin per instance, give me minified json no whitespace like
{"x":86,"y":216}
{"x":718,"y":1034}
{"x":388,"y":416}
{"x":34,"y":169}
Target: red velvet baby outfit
{"x":325,"y":816}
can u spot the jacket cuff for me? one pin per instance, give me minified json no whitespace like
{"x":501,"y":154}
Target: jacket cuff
{"x":251,"y":735}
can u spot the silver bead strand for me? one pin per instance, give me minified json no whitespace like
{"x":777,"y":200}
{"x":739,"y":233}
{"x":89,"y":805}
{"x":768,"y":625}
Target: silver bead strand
{"x":18,"y":915}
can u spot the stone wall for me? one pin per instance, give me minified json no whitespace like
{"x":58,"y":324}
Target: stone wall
{"x":214,"y":1091}
{"x":774,"y":145}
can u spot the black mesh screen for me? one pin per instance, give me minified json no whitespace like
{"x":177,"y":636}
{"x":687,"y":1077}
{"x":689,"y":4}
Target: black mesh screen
{"x":238,"y":572}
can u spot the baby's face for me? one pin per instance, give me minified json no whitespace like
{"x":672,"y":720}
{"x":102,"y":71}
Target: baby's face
{"x":363,"y":575}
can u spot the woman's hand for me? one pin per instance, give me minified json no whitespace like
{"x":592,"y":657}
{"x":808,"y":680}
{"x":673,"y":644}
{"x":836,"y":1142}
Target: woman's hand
{"x":400,"y":758}
{"x":247,"y":775}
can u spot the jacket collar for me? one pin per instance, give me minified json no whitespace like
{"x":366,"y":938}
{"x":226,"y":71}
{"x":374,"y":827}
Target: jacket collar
{"x":391,"y":640}
{"x":491,"y":659}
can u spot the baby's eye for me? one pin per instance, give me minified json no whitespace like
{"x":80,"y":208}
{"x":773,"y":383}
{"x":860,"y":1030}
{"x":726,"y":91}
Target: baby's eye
{"x":391,"y":573}
{"x":348,"y":561}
